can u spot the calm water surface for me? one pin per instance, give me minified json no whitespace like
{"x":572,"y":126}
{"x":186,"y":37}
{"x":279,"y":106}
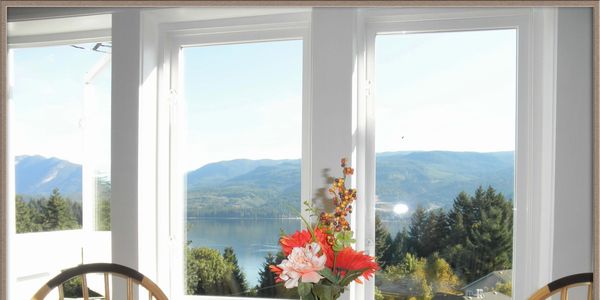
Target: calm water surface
{"x":251,"y":239}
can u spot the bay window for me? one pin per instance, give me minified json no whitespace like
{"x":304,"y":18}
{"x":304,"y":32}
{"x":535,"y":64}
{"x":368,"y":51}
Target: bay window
{"x":223,"y":121}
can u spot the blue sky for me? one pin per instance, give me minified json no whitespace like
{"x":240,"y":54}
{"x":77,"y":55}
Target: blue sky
{"x":243,"y":101}
{"x":446,"y":91}
{"x":47,"y":106}
{"x":434,"y":91}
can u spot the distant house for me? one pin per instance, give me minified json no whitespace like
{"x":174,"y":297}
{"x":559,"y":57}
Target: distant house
{"x":487,"y":283}
{"x":482,"y":288}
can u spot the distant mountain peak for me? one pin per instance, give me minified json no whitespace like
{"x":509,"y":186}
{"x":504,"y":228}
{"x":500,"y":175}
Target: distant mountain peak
{"x":37,"y":176}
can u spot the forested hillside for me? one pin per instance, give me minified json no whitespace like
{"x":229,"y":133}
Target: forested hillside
{"x":266,"y":188}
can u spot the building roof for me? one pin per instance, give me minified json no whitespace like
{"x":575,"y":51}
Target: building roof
{"x":502,"y":276}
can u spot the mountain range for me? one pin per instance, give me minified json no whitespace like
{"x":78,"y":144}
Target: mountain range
{"x":267,"y":188}
{"x":37,"y":176}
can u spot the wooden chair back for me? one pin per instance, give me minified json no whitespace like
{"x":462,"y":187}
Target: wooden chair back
{"x":131,"y":276}
{"x":562,"y":286}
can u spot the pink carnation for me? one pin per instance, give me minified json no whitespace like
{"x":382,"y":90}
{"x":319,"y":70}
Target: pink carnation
{"x":302,"y":263}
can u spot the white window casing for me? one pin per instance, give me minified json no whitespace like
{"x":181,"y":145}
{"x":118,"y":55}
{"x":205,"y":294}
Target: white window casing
{"x":535,"y":117}
{"x":26,"y":268}
{"x":169,"y":179}
{"x":163,"y":32}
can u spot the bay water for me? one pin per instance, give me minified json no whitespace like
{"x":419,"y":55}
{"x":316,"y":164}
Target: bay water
{"x":251,"y":239}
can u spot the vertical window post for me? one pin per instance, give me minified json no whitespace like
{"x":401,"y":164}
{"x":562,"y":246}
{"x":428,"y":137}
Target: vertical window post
{"x":124,"y":145}
{"x":333,"y":84}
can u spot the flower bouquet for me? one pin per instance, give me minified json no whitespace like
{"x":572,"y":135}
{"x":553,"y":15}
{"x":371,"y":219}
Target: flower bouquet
{"x":320,"y":259}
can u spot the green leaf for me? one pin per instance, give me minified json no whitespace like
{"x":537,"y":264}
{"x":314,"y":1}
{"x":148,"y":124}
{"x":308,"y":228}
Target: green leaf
{"x":324,"y":292}
{"x":338,"y":246}
{"x":351,"y":275}
{"x":304,"y":288}
{"x":309,"y":296}
{"x":337,"y":291}
{"x":343,"y":240}
{"x":325,"y":272}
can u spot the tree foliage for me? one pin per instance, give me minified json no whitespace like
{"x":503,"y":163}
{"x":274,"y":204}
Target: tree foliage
{"x":422,"y":278}
{"x":59,"y":214}
{"x":267,"y":287}
{"x":26,"y":217}
{"x":239,"y":283}
{"x":41,"y":214}
{"x":103,"y":196}
{"x":441,"y":276}
{"x":210,"y":273}
{"x":440,"y":250}
{"x":482,"y":234}
{"x":383,"y":243}
{"x":207,"y":272}
{"x":504,"y":288}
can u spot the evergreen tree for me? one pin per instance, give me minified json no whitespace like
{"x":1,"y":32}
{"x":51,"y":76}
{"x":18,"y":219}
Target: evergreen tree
{"x":481,"y":234}
{"x":427,"y":232}
{"x":399,"y":247}
{"x":441,"y":229}
{"x":239,"y":284}
{"x":76,"y":211}
{"x":267,"y":287}
{"x":58,"y":214}
{"x":38,"y":208}
{"x":266,"y":283}
{"x":383,"y":243}
{"x":417,"y":231}
{"x":435,"y":232}
{"x":25,"y":217}
{"x":461,"y":217}
{"x":490,"y":241}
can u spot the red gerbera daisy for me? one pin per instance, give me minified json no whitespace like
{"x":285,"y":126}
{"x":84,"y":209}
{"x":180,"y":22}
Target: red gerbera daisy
{"x":301,"y":238}
{"x":350,"y":260}
{"x":298,"y":239}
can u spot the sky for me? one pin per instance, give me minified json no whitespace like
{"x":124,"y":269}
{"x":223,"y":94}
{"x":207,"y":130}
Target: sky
{"x":451,"y":91}
{"x":48,"y":108}
{"x":433,"y":91}
{"x":243,"y":101}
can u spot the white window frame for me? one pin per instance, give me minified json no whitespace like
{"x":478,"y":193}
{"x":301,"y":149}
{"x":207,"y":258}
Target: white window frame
{"x":87,"y":236}
{"x":162,"y":34}
{"x":173,"y":37}
{"x":535,"y":116}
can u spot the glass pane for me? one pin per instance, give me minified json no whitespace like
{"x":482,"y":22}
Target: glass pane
{"x":60,"y":139}
{"x":445,"y":140}
{"x":60,"y":133}
{"x":243,"y":111}
{"x":97,"y":140}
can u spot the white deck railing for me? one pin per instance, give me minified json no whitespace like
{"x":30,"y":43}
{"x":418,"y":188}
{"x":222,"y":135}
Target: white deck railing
{"x":39,"y":256}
